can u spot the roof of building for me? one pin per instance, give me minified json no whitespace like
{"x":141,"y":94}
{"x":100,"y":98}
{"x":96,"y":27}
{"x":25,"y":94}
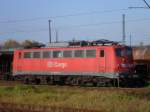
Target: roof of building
{"x":141,"y":53}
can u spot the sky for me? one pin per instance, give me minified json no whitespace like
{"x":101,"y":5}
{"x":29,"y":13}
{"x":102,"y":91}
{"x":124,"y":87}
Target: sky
{"x":74,"y":19}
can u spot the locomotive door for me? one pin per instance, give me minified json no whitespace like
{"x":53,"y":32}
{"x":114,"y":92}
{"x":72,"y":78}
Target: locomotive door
{"x":19,"y":65}
{"x":102,"y":60}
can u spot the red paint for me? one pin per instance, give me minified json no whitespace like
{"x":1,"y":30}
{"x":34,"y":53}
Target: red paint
{"x":109,"y":63}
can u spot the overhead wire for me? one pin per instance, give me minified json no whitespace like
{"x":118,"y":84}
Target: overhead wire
{"x":62,"y":16}
{"x":74,"y":26}
{"x":23,"y":31}
{"x":103,"y":23}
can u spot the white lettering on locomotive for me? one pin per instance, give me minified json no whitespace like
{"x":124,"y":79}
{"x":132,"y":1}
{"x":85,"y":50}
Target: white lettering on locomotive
{"x":51,"y":64}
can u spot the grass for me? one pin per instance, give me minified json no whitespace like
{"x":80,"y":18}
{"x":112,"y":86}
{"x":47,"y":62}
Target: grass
{"x":108,"y":100}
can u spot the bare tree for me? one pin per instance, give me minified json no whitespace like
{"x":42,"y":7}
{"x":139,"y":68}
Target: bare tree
{"x":11,"y":44}
{"x":31,"y":44}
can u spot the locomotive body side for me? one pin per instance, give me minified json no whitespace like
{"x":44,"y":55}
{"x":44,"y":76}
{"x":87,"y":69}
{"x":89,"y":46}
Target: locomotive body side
{"x":91,"y":61}
{"x":77,"y":65}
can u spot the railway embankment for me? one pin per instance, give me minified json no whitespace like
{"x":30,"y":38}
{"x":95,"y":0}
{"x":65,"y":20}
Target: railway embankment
{"x":33,"y":98}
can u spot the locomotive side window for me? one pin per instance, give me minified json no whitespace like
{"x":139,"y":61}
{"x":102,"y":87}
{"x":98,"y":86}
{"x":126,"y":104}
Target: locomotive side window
{"x":47,"y":54}
{"x":36,"y":54}
{"x":102,"y":53}
{"x":90,"y":53}
{"x":79,"y":53}
{"x":27,"y":55}
{"x":57,"y":54}
{"x":67,"y":54}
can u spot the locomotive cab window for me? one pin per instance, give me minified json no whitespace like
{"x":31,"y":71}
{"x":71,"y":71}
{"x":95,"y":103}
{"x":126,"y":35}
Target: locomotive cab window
{"x":36,"y":54}
{"x":90,"y":53}
{"x":67,"y":54}
{"x":79,"y":53}
{"x":57,"y":54}
{"x":47,"y":54}
{"x":102,"y":53}
{"x":27,"y":55}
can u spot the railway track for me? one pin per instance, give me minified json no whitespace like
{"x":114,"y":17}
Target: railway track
{"x":15,"y":83}
{"x":10,"y":83}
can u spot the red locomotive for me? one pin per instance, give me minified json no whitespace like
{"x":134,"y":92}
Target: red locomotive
{"x":97,"y":62}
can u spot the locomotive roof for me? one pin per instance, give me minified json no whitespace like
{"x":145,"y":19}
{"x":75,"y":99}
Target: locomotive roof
{"x":83,"y":43}
{"x":71,"y":48}
{"x":80,"y":45}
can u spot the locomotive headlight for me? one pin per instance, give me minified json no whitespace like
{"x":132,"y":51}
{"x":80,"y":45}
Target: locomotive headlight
{"x":123,"y":60}
{"x":126,"y":65}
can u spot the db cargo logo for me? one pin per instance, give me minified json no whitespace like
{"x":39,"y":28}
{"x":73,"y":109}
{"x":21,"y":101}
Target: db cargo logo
{"x":56,"y":64}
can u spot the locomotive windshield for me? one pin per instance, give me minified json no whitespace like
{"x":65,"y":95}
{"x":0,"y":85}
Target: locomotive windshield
{"x":129,"y":51}
{"x":120,"y":52}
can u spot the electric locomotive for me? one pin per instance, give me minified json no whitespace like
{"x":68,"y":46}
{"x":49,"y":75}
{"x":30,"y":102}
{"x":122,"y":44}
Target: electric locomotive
{"x":99,"y":63}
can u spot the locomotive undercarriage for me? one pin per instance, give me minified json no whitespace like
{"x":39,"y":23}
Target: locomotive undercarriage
{"x":95,"y":81}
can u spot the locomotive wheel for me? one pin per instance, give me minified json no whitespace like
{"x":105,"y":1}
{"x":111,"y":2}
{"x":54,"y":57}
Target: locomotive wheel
{"x":26,"y":81}
{"x":74,"y":82}
{"x":49,"y":81}
{"x":37,"y":81}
